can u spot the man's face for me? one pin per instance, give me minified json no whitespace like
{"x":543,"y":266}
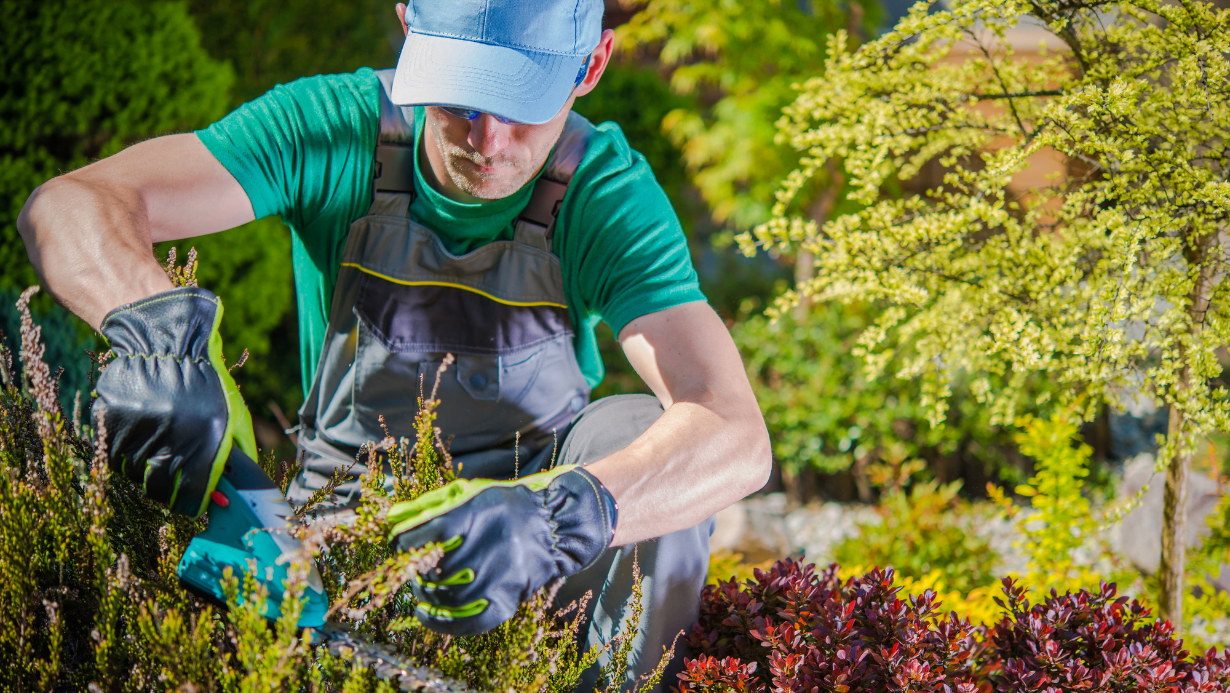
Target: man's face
{"x":486,"y":158}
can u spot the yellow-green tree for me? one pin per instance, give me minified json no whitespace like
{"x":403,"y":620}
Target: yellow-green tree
{"x":1106,"y":281}
{"x":743,"y":59}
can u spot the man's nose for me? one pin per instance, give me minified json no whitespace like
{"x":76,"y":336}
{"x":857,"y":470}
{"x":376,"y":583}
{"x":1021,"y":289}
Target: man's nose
{"x":488,"y":135}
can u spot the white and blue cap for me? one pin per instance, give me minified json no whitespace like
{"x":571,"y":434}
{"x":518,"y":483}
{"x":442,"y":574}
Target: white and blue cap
{"x":517,"y":59}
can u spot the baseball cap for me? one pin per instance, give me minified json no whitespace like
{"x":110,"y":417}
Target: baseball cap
{"x":517,"y":59}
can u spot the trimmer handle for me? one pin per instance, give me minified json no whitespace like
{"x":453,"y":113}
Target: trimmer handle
{"x":244,"y":474}
{"x":248,"y":528}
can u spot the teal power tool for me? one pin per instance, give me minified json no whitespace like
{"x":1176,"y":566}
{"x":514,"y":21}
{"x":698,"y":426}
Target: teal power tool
{"x":248,"y":528}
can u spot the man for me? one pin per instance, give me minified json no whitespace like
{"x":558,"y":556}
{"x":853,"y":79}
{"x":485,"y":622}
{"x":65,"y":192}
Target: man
{"x":454,"y":206}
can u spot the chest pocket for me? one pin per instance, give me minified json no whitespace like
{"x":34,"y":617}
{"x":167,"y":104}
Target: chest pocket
{"x":515,"y":370}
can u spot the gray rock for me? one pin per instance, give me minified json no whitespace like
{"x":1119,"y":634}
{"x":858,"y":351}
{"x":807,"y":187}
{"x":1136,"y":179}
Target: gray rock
{"x":1140,"y":536}
{"x":815,"y":530}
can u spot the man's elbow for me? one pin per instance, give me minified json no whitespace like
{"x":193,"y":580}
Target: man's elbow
{"x":758,"y":464}
{"x":25,"y":218}
{"x":58,"y":193}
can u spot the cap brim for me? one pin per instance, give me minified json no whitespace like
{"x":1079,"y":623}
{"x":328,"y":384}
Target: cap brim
{"x":525,"y":86}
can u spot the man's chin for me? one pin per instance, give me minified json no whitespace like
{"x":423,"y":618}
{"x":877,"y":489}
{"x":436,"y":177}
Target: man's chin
{"x":491,"y":187}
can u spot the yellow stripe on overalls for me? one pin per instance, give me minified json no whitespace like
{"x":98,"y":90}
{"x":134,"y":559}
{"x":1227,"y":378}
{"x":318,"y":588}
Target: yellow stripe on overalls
{"x":455,"y":286}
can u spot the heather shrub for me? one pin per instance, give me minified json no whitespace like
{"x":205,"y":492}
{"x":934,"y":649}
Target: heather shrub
{"x":89,"y":596}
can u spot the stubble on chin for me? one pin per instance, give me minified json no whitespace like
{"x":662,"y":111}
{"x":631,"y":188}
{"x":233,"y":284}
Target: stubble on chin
{"x":460,"y":165}
{"x":485,"y":186}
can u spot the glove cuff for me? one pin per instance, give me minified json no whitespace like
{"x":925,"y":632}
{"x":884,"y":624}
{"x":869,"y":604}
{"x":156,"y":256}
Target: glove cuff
{"x":175,"y":323}
{"x":584,"y":514}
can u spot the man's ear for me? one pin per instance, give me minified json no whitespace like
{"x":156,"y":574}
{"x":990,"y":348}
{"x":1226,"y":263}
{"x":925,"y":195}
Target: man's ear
{"x":400,"y":9}
{"x":598,"y":60}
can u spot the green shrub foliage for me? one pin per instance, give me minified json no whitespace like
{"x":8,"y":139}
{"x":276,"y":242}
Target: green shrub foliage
{"x":89,"y":596}
{"x":828,"y":410}
{"x":84,"y":80}
{"x":923,"y":529}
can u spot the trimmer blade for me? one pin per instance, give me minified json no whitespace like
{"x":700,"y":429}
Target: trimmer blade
{"x":388,"y":665}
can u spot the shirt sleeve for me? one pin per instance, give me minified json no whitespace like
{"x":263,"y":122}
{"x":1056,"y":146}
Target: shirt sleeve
{"x":626,"y":252}
{"x":301,"y":147}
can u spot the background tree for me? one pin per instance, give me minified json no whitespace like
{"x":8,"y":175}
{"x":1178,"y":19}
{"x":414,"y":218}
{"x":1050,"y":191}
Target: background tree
{"x":741,"y":61}
{"x":82,"y":81}
{"x":742,"y":64}
{"x":1107,"y":281}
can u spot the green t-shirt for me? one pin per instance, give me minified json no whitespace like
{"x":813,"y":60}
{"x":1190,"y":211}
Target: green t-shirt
{"x":305,"y":151}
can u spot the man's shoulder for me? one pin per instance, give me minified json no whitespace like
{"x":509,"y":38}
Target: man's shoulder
{"x":303,"y":147}
{"x":611,"y":166}
{"x":608,"y":151}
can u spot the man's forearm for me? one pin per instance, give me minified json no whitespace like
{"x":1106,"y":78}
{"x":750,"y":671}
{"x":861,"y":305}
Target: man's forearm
{"x":89,"y":232}
{"x":697,"y":459}
{"x":90,"y":245}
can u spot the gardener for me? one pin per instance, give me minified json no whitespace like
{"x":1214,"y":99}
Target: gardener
{"x":453,"y":206}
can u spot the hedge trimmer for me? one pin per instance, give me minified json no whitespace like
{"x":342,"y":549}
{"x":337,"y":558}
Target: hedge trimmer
{"x":249,"y":523}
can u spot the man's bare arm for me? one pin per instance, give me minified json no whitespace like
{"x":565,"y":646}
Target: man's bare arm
{"x":88,"y":233}
{"x":709,"y":449}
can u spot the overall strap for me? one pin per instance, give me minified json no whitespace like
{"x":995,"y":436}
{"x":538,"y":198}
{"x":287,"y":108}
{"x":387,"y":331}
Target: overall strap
{"x":536,"y":224}
{"x":393,"y":185}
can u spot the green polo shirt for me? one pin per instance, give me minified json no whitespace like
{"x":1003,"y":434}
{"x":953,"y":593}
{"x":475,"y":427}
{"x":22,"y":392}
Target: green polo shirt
{"x":305,"y":151}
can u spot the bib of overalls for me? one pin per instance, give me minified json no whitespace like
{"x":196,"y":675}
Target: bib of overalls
{"x":402,"y":302}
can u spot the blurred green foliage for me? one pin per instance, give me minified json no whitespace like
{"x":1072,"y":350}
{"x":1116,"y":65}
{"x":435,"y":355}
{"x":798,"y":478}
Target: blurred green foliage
{"x":741,"y":60}
{"x":826,"y":411}
{"x":922,"y":529}
{"x":1207,"y":607}
{"x":269,"y":42}
{"x":82,"y":81}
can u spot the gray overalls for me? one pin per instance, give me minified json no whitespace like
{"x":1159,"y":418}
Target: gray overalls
{"x":402,"y":302}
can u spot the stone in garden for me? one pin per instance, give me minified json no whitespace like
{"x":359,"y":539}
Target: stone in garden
{"x":1140,"y":536}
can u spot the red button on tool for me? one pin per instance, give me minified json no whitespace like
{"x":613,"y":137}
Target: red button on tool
{"x":220,"y":498}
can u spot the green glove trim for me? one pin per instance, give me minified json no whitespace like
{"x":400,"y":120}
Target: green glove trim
{"x":447,"y":546}
{"x":461,"y":577}
{"x":427,"y":507}
{"x":474,"y":608}
{"x":238,"y":420}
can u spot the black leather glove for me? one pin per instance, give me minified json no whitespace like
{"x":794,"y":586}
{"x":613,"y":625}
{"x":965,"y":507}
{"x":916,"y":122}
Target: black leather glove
{"x":503,"y":540}
{"x":171,"y":408}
